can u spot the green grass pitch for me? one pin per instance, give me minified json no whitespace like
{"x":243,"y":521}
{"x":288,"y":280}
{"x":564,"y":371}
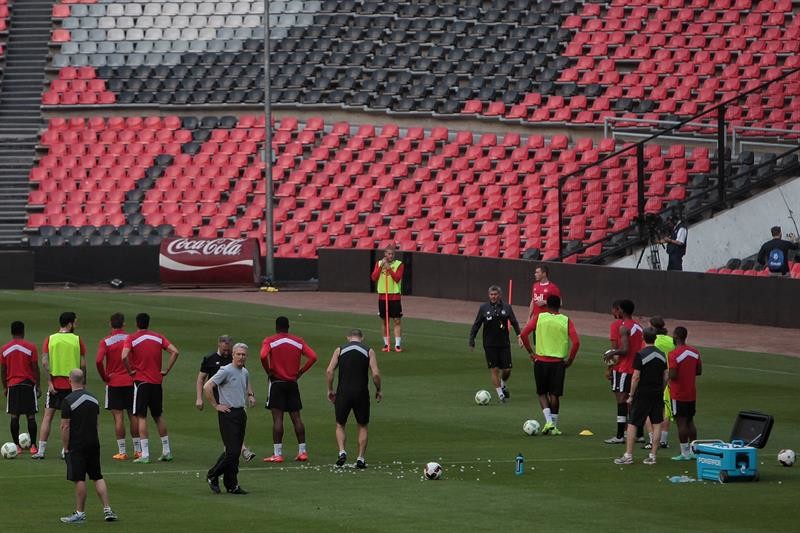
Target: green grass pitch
{"x":428,"y":413}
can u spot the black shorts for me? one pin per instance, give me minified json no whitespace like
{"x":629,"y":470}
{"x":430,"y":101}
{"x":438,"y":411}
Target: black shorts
{"x":549,"y":377}
{"x":148,"y":397}
{"x":284,"y":396}
{"x":119,"y":398}
{"x":683,"y":409}
{"x":621,"y":381}
{"x":649,"y":404}
{"x":358,"y":403}
{"x":22,"y":399}
{"x":53,"y":399}
{"x":395,"y":309}
{"x":498,"y":356}
{"x":82,"y":463}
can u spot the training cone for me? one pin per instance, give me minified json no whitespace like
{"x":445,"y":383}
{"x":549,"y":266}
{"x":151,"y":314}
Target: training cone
{"x":585,"y":433}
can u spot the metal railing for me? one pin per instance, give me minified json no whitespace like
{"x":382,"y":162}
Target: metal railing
{"x":720,"y":199}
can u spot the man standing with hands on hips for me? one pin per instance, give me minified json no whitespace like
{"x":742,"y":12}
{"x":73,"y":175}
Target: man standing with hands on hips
{"x":232,"y":384}
{"x":388,"y":276}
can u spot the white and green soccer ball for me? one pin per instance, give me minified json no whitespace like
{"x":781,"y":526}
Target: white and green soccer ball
{"x":786,"y":457}
{"x":482,"y":397}
{"x":531,"y":427}
{"x":433,"y":471}
{"x":24,"y":441}
{"x":8,"y":450}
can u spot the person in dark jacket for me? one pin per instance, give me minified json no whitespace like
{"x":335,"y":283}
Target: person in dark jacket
{"x":775,"y":252}
{"x":495,"y":316}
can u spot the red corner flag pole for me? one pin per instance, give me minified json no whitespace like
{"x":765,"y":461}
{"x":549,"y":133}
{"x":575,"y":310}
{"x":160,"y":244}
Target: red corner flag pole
{"x":386,"y":303}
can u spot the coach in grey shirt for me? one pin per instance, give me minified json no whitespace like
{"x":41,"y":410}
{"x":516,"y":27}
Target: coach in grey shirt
{"x":232,"y":383}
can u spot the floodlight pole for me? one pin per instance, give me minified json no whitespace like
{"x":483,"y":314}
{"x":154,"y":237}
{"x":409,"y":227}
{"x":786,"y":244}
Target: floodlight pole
{"x":269,"y":266}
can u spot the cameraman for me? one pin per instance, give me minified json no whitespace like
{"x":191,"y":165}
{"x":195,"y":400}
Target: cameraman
{"x":676,"y":242}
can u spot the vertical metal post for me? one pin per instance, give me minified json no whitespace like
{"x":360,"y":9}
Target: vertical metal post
{"x":560,"y":219}
{"x":721,"y":153}
{"x":269,"y":267}
{"x":640,"y":181}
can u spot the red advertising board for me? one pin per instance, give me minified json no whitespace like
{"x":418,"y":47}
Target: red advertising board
{"x":190,"y":261}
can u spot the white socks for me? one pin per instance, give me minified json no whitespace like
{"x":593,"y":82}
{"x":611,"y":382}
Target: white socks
{"x":42,"y":446}
{"x":664,"y":437}
{"x":500,"y":393}
{"x":554,"y":416}
{"x":386,"y":341}
{"x":165,"y":450}
{"x":145,"y":448}
{"x":137,"y":444}
{"x":121,"y":445}
{"x":397,"y":342}
{"x":277,"y":449}
{"x":548,"y":417}
{"x":685,"y":451}
{"x":301,"y":448}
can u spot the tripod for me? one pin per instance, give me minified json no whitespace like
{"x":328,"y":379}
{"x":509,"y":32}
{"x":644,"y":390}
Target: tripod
{"x":655,"y":257}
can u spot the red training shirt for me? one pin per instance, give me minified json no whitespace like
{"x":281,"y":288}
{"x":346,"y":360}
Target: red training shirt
{"x":109,"y":351}
{"x":145,"y":356}
{"x":397,"y":276}
{"x":61,"y":382}
{"x":530,"y":327}
{"x":635,"y":343}
{"x":280,"y":356}
{"x":20,"y":358}
{"x":543,"y":290}
{"x":685,"y":359}
{"x":613,"y":335}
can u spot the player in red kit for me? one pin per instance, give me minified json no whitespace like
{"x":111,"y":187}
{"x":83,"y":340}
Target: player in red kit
{"x":684,"y":367}
{"x":19,"y":374}
{"x":142,"y":357}
{"x":119,"y":385}
{"x":629,"y":341}
{"x":542,"y":288}
{"x":280,"y":357}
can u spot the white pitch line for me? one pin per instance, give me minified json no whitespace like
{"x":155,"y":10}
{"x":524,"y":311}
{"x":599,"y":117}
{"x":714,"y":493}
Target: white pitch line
{"x":762,"y":370}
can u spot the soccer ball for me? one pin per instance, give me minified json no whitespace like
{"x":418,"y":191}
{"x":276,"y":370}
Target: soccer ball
{"x":433,"y":471}
{"x":8,"y":450}
{"x":786,"y":457}
{"x":531,"y":427}
{"x":482,"y":397}
{"x":24,"y":441}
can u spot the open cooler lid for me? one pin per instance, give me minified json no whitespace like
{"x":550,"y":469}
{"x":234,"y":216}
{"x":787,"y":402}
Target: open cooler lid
{"x":753,"y":428}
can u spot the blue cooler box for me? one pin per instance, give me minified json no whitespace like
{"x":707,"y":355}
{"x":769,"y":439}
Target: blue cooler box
{"x":736,"y":460}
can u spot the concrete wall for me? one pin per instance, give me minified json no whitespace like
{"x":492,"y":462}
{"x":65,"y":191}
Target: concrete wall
{"x":737,"y":232}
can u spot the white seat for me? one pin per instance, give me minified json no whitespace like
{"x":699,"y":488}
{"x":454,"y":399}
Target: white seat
{"x":159,"y":46}
{"x":113,"y":60}
{"x":223,"y":8}
{"x":244,"y":33}
{"x":72,"y":23}
{"x":241,"y":8}
{"x":294,"y":7}
{"x":124,"y":22}
{"x":171,"y":59}
{"x":151,"y":10}
{"x":189,"y":34}
{"x":153,"y":59}
{"x":87,"y":23}
{"x":133,"y":10}
{"x":153,"y":34}
{"x":124,"y":47}
{"x":86,"y":47}
{"x":162,"y":21}
{"x":179,"y":47}
{"x":188,"y":8}
{"x":70,"y":48}
{"x":180,"y":21}
{"x":78,"y":10}
{"x":115,"y":10}
{"x":206,"y":34}
{"x":145,"y":21}
{"x":215,"y":45}
{"x":97,"y":60}
{"x":233,"y":21}
{"x":304,"y":19}
{"x":198,"y":21}
{"x":215,"y":21}
{"x":106,"y":47}
{"x":172,"y":34}
{"x":61,"y":60}
{"x":115,"y":34}
{"x":134,"y":60}
{"x":251,"y":21}
{"x":79,"y":60}
{"x":170,"y":9}
{"x":97,"y":35}
{"x":134,"y":34}
{"x":206,"y":8}
{"x":97,"y":10}
{"x":197,"y":46}
{"x":276,"y":8}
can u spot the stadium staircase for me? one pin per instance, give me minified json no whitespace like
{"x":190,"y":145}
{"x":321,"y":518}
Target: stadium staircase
{"x":20,"y":112}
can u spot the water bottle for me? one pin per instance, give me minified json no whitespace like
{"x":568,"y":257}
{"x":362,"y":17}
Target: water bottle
{"x":519,"y":465}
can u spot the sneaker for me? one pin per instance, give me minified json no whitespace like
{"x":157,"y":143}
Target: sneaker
{"x":555,"y":431}
{"x":74,"y":518}
{"x":341,"y":460}
{"x":650,"y":459}
{"x":398,"y":349}
{"x":237,"y":490}
{"x":248,"y":454}
{"x":34,"y":450}
{"x":615,"y":440}
{"x":506,"y":393}
{"x":648,"y":446}
{"x":548,"y":427}
{"x":681,"y":457}
{"x":136,"y":455}
{"x":624,"y":460}
{"x":502,"y":399}
{"x":361,"y":464}
{"x":385,"y":348}
{"x":213,"y":482}
{"x":109,"y":516}
{"x":664,"y":445}
{"x":120,"y":457}
{"x":166,"y":457}
{"x":37,"y":455}
{"x":143,"y":460}
{"x":273,"y":459}
{"x":302,"y":457}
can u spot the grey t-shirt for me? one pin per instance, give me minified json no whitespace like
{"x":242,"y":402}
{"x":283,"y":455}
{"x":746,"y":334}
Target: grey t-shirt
{"x":232,"y":385}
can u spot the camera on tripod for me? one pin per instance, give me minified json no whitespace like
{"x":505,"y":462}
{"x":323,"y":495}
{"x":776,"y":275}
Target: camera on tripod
{"x":655,"y":228}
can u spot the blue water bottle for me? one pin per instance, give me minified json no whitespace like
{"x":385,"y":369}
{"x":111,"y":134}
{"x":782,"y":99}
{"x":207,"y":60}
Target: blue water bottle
{"x":519,"y":466}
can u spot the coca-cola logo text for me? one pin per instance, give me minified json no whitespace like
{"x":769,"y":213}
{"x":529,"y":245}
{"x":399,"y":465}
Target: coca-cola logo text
{"x":230,"y":247}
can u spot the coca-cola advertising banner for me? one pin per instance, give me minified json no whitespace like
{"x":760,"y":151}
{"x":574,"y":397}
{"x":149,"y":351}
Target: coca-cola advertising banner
{"x":209,"y":261}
